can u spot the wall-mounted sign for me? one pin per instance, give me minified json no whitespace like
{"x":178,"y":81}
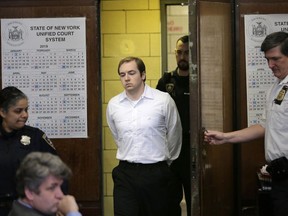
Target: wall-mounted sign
{"x":46,"y":59}
{"x":258,"y":76}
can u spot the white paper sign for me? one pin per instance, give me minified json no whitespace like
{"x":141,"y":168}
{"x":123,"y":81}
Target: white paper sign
{"x":46,"y":59}
{"x":258,"y":76}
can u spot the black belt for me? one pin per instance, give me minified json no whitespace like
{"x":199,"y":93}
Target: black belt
{"x":141,"y":164}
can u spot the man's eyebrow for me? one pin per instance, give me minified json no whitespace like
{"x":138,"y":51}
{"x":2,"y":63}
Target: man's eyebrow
{"x":127,"y":71}
{"x":273,"y":57}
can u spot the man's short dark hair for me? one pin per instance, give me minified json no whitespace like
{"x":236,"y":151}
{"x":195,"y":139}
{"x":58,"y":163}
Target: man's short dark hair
{"x":276,"y":39}
{"x":139,"y":62}
{"x":184,"y":39}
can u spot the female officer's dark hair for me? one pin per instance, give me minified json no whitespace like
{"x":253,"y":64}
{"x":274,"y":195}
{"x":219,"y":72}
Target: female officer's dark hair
{"x":9,"y":97}
{"x":140,"y":64}
{"x":275,"y":39}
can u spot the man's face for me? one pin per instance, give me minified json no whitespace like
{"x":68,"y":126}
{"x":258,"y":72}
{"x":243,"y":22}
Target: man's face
{"x":277,"y":62}
{"x":130,"y":76}
{"x":50,"y":193}
{"x":182,"y":55}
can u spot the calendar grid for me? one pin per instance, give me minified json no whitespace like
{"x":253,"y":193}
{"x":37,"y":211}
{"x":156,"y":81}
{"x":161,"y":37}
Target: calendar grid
{"x":50,"y":71}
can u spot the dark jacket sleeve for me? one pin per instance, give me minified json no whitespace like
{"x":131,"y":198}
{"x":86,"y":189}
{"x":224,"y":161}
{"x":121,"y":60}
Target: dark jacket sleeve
{"x":46,"y":144}
{"x":161,"y":85}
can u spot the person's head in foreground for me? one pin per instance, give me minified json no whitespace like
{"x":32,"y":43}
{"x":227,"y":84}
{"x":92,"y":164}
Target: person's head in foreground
{"x":39,"y":179}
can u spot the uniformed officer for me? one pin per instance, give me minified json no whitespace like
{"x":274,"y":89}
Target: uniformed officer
{"x":16,"y":140}
{"x":272,"y":126}
{"x":176,"y":83}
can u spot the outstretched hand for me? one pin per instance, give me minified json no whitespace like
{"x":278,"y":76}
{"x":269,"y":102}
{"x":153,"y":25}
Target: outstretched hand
{"x":214,"y":137}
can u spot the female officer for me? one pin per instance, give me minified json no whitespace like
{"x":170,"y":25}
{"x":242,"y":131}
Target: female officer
{"x":16,"y":141}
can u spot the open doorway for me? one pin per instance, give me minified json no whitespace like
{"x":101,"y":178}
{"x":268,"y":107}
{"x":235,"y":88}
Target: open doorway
{"x":174,"y":19}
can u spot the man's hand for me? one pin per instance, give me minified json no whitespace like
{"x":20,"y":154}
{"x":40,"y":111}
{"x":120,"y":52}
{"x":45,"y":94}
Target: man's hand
{"x":214,"y":137}
{"x":67,"y":204}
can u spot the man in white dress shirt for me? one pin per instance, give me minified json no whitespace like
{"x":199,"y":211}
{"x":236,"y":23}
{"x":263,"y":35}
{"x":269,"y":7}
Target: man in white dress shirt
{"x":147,"y":130}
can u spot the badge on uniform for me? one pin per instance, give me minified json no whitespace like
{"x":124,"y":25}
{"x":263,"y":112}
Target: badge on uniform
{"x":278,"y":100}
{"x":48,"y":141}
{"x":25,"y":140}
{"x":169,"y":87}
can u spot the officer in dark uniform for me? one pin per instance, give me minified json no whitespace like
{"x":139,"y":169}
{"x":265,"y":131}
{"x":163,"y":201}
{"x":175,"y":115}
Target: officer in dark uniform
{"x":176,"y":83}
{"x":16,"y":141}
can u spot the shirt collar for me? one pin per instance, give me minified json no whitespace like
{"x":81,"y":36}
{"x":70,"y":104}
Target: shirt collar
{"x":148,"y":93}
{"x":284,"y":81}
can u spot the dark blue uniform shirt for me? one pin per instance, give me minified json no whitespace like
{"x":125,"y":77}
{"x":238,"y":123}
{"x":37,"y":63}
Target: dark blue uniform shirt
{"x":14,"y":147}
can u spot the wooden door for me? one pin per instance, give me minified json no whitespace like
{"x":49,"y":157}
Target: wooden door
{"x":225,"y":181}
{"x":211,"y":107}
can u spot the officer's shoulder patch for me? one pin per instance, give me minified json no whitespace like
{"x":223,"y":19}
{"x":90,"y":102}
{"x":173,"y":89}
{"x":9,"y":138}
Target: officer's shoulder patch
{"x":169,"y":87}
{"x":48,"y":141}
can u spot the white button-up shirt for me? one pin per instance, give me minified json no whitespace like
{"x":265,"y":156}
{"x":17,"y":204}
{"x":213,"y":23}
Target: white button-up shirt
{"x":275,"y":122}
{"x":146,"y":131}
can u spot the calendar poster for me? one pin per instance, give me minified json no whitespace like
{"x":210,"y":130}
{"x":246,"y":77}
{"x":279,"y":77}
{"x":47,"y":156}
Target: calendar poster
{"x":46,"y":59}
{"x":258,"y":75}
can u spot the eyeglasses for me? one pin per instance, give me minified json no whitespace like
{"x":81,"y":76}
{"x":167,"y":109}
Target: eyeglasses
{"x":181,"y":52}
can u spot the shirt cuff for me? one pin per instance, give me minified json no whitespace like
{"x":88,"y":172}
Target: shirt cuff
{"x":74,"y":214}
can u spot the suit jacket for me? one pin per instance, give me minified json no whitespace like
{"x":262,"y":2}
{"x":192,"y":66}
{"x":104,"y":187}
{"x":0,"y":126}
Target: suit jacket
{"x":21,"y":210}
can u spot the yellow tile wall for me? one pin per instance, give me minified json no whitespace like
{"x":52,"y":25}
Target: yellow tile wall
{"x":128,"y":27}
